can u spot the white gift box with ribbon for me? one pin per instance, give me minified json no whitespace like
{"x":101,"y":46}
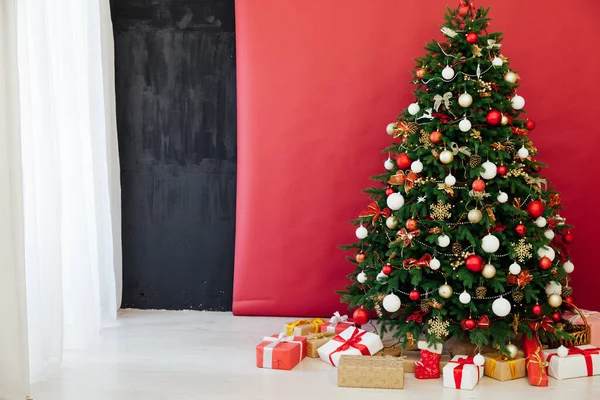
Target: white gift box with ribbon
{"x":462,"y":373}
{"x":337,"y":323}
{"x":352,"y":341}
{"x":581,"y":361}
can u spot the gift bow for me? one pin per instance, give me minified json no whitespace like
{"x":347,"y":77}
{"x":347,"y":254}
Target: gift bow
{"x":458,"y":371}
{"x":268,"y":349}
{"x":413,"y":262}
{"x":491,"y":364}
{"x":401,"y":178}
{"x":374,"y":210}
{"x":406,"y":237}
{"x":530,"y":180}
{"x":337,"y":318}
{"x":491,"y":44}
{"x":545,"y":324}
{"x":446,"y":188}
{"x":522,"y":279}
{"x":586,"y":353}
{"x":462,"y":149}
{"x":536,"y":358}
{"x":289,"y":328}
{"x":406,"y":128}
{"x":416,"y":316}
{"x":439,"y":99}
{"x":352,"y":341}
{"x":481,"y":323}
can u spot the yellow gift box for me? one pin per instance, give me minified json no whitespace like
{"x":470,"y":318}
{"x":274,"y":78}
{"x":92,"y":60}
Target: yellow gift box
{"x":503,"y":369}
{"x":303,"y":327}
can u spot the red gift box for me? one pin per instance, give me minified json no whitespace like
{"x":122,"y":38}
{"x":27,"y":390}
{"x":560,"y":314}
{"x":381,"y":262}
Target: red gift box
{"x":280,"y":352}
{"x":536,"y":366}
{"x":337,"y":324}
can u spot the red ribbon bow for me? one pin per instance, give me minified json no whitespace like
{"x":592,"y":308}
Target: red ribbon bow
{"x":545,"y":324}
{"x":498,"y":228}
{"x":562,"y":250}
{"x":442,"y":117}
{"x":413,"y":262}
{"x":352,"y":341}
{"x":482,"y":323}
{"x":416,"y":316}
{"x":522,"y":279}
{"x":458,"y":371}
{"x":374,"y":210}
{"x":519,"y":131}
{"x":586,"y":353}
{"x":406,"y":237}
{"x":408,"y":180}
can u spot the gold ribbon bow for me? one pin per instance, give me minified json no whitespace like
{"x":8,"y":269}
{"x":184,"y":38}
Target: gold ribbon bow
{"x":406,"y":237}
{"x":459,"y":149}
{"x":511,"y":364}
{"x":289,"y":328}
{"x":537,"y":181}
{"x":446,"y":188}
{"x":491,"y":44}
{"x":401,"y":178}
{"x":439,"y":99}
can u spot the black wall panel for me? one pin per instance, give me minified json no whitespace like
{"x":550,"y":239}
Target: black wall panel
{"x":176,"y":115}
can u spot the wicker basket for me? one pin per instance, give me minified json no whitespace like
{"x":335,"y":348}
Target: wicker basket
{"x":581,"y":334}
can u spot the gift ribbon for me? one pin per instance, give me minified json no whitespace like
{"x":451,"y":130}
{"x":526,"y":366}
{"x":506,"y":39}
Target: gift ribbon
{"x":413,"y":262}
{"x":545,"y":324}
{"x":289,"y":328}
{"x":458,"y":371}
{"x":459,"y":149}
{"x":481,"y":323}
{"x":586,"y":353}
{"x":522,"y":279}
{"x":439,"y":99}
{"x":406,"y":237}
{"x":352,"y":341}
{"x":268,"y":349}
{"x":337,"y":318}
{"x":374,"y":211}
{"x":511,"y":364}
{"x":408,"y":180}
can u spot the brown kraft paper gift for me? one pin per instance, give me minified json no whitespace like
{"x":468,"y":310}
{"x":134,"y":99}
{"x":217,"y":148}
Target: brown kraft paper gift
{"x":371,"y":372}
{"x":504,"y":370}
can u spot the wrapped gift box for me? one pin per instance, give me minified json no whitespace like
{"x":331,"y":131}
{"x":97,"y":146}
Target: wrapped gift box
{"x":534,"y":361}
{"x":503,"y":369}
{"x":412,"y":356}
{"x":303,"y":327}
{"x":337,"y":324}
{"x":462,"y":373}
{"x":455,"y":347}
{"x":390,"y":349}
{"x":352,"y":341}
{"x":280,"y":352}
{"x":316,"y":340}
{"x":581,"y":361}
{"x":371,"y":372}
{"x":593,"y":319}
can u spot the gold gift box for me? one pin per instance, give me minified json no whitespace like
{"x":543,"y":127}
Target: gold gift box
{"x":316,"y":340}
{"x":503,"y":369}
{"x":392,"y":350}
{"x":415,"y":355}
{"x":371,"y":372}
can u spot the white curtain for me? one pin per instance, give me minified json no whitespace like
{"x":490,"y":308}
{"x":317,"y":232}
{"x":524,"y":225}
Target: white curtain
{"x":14,"y":374}
{"x":70,"y":175}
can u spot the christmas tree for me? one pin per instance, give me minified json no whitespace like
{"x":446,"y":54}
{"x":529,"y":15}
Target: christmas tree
{"x":463,"y":239}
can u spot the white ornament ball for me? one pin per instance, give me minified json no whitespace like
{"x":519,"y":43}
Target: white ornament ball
{"x":446,"y":156}
{"x":553,"y":287}
{"x":479,"y":360}
{"x":488,"y":271}
{"x":445,"y":291}
{"x":434,"y":264}
{"x":381,"y":277}
{"x":490,"y":243}
{"x":450,"y":180}
{"x":514,"y":268}
{"x":540,"y":221}
{"x":391,"y":128}
{"x":464,"y":297}
{"x":513,"y":351}
{"x":391,"y":303}
{"x":497,"y":62}
{"x":361,"y":277}
{"x":502,"y":197}
{"x":443,"y":240}
{"x":465,"y":100}
{"x":489,"y":170}
{"x":416,"y":166}
{"x":568,"y":267}
{"x":361,"y":232}
{"x":517,"y":102}
{"x":474,"y":216}
{"x":448,"y":73}
{"x":546,"y":251}
{"x":414,"y":108}
{"x":523,"y":153}
{"x":562,"y":351}
{"x":549,"y":233}
{"x":501,"y":307}
{"x":464,"y":125}
{"x":510,"y":77}
{"x":392,"y":222}
{"x":395,"y":201}
{"x":389,"y":164}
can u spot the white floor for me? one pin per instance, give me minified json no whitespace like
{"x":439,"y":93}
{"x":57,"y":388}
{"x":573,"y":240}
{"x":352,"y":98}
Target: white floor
{"x":163,"y":355}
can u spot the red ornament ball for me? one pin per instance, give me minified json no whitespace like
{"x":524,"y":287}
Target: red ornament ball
{"x":414,"y":295}
{"x":493,"y":117}
{"x":502,"y":170}
{"x":520,"y":229}
{"x":535,"y":209}
{"x":556,"y":316}
{"x":545,"y":263}
{"x":537,"y":309}
{"x":360,"y":257}
{"x":387,"y":269}
{"x":421,"y":72}
{"x":360,"y":316}
{"x":435,"y":137}
{"x":403,"y":161}
{"x":411,"y":224}
{"x":469,"y":324}
{"x":530,"y":125}
{"x":389,"y":191}
{"x":472,"y":37}
{"x":478,"y":185}
{"x":568,"y":302}
{"x":568,"y":238}
{"x":474,"y":263}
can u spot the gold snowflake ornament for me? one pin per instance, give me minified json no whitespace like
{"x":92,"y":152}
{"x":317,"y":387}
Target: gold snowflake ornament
{"x":440,"y":210}
{"x":424,"y":139}
{"x":438,"y":327}
{"x":522,"y":250}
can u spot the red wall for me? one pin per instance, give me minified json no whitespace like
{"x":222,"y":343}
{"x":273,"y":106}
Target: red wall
{"x":318,"y":80}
